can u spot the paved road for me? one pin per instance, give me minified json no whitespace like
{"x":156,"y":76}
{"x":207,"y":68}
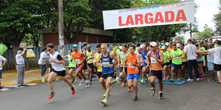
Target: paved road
{"x":202,"y":95}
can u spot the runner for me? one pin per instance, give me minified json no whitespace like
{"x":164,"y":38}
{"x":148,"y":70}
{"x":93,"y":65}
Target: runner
{"x":42,"y":62}
{"x":200,"y":61}
{"x":107,"y":71}
{"x":113,"y":51}
{"x":169,"y":50}
{"x":166,"y":62}
{"x":190,"y":54}
{"x":90,"y":59}
{"x":176,"y":54}
{"x":156,"y":61}
{"x":184,"y":61}
{"x":78,"y":57}
{"x":217,"y":59}
{"x":144,"y":67}
{"x":133,"y":64}
{"x":4,"y":60}
{"x":72,"y":65}
{"x":57,"y":69}
{"x":96,"y":58}
{"x":121,"y":59}
{"x":210,"y":60}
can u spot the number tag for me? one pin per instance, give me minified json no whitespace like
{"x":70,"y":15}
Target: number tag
{"x":176,"y":58}
{"x":106,"y":64}
{"x":122,"y":61}
{"x":153,"y":60}
{"x":131,"y":66}
{"x":77,"y":61}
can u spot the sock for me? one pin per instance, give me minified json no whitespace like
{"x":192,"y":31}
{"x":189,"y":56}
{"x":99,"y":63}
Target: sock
{"x":160,"y":92}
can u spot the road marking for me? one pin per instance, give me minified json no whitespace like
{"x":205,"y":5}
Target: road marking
{"x":32,"y":84}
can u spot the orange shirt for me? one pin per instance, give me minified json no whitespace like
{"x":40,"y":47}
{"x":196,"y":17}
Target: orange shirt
{"x":113,"y":51}
{"x":130,"y":68}
{"x":77,"y":57}
{"x":169,"y":49}
{"x":154,"y":64}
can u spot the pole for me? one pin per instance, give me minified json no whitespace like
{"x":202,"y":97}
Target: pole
{"x":60,"y":27}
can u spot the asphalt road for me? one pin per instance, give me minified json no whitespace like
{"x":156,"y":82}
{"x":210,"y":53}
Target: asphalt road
{"x":201,"y":95}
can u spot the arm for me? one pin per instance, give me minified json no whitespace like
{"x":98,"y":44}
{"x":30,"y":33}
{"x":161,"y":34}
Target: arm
{"x":61,"y":61}
{"x":138,"y":61}
{"x":71,"y":57}
{"x":118,"y":57}
{"x":125,"y":64}
{"x":99,"y":60}
{"x":161,"y":60}
{"x":147,"y":58}
{"x":95,"y":60}
{"x":23,"y":51}
{"x":113,"y":57}
{"x":65,"y":56}
{"x":3,"y":63}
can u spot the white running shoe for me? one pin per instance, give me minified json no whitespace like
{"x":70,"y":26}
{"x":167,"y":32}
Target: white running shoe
{"x":190,"y":80}
{"x":87,"y":83}
{"x":198,"y":79}
{"x":80,"y":83}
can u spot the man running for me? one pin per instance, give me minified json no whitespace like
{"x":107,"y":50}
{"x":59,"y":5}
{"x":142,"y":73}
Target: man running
{"x":176,"y":54}
{"x":133,"y":65}
{"x":156,"y":61}
{"x":107,"y":71}
{"x":166,"y":62}
{"x":184,"y":61}
{"x":96,"y":58}
{"x":78,"y":57}
{"x":57,"y":69}
{"x":121,"y":59}
{"x":90,"y":59}
{"x":144,"y":68}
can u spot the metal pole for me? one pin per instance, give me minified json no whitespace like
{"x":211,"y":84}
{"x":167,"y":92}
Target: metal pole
{"x":60,"y":27}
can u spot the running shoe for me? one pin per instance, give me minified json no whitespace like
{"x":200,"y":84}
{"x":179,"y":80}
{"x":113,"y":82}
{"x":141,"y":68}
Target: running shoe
{"x":178,"y":79}
{"x":123,"y":84}
{"x":73,"y":90}
{"x":87,"y":83}
{"x":146,"y":80}
{"x":168,"y":77}
{"x":142,"y":81}
{"x":190,"y":80}
{"x":43,"y":80}
{"x":104,"y":94}
{"x":74,"y":80}
{"x":202,"y":78}
{"x":114,"y":76}
{"x":164,"y":79}
{"x":218,"y":83}
{"x":97,"y":77}
{"x":135,"y":98}
{"x":129,"y":89}
{"x":51,"y":96}
{"x":171,"y":80}
{"x":153,"y":91}
{"x":1,"y":87}
{"x":104,"y":102}
{"x":80,"y":83}
{"x":210,"y":79}
{"x":118,"y":82}
{"x":182,"y":77}
{"x":197,"y":79}
{"x":90,"y":81}
{"x":160,"y":95}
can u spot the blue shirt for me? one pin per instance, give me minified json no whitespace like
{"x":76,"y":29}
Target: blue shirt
{"x":106,"y":61}
{"x":144,"y":54}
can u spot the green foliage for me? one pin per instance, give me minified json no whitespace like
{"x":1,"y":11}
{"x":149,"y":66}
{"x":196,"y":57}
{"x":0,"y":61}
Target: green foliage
{"x":179,"y":38}
{"x":206,"y":34}
{"x":217,"y":20}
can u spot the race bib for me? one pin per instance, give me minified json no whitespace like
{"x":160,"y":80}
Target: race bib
{"x":153,"y":60}
{"x":113,"y":60}
{"x":122,"y":61}
{"x":77,"y":61}
{"x":131,"y":66}
{"x":176,"y":58}
{"x":106,"y":64}
{"x":89,"y":57}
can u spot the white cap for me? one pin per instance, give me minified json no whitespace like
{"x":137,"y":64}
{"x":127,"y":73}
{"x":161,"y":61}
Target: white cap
{"x":153,"y":44}
{"x":141,"y":46}
{"x":167,"y":44}
{"x":178,"y":44}
{"x":120,"y":47}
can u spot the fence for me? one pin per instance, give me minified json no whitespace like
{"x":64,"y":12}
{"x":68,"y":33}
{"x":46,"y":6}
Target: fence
{"x":33,"y":62}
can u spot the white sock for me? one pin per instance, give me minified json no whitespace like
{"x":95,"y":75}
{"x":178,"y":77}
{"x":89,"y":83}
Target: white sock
{"x":160,"y":92}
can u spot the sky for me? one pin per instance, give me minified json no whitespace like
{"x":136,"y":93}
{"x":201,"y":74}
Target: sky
{"x":205,"y":12}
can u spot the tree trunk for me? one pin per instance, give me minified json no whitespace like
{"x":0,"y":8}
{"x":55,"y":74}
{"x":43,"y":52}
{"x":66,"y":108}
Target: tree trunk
{"x":15,"y":47}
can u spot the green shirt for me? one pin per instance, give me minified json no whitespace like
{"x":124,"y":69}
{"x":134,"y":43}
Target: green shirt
{"x":117,"y":51}
{"x":176,"y":60}
{"x":115,"y":47}
{"x":166,"y":55}
{"x":203,"y":48}
{"x":214,"y":45}
{"x":71,"y":64}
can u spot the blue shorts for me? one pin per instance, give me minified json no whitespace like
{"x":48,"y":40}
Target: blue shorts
{"x":133,"y":76}
{"x":80,"y":66}
{"x":210,"y":66}
{"x":0,"y":74}
{"x":199,"y":62}
{"x":176,"y":66}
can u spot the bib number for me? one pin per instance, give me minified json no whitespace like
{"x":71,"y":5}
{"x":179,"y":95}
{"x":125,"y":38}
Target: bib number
{"x":77,"y":61}
{"x":122,"y":61}
{"x":176,"y":58}
{"x":131,"y":66}
{"x":106,"y":64}
{"x":153,"y":60}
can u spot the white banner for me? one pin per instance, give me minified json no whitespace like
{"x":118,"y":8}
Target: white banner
{"x":175,"y":13}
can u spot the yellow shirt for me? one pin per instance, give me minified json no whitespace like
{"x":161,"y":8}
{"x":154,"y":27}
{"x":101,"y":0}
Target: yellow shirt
{"x":99,"y":68}
{"x":183,"y":59}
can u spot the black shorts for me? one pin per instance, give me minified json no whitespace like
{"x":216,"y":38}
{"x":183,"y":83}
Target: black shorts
{"x":184,"y":63}
{"x":85,"y":63}
{"x":73,"y":68}
{"x":170,"y":62}
{"x":60,"y":73}
{"x":217,"y":67}
{"x":158,"y":74}
{"x":121,"y":69}
{"x":165,"y":64}
{"x":99,"y":74}
{"x":105,"y":76}
{"x":91,"y":65}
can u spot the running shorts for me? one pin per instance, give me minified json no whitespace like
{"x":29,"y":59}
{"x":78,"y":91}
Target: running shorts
{"x":105,"y":76}
{"x":60,"y":73}
{"x":158,"y":74}
{"x":133,"y":76}
{"x":176,"y":66}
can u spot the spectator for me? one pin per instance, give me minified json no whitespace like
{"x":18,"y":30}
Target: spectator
{"x":1,"y":66}
{"x":42,"y":61}
{"x":20,"y":67}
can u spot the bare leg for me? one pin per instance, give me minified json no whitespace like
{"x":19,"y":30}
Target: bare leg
{"x":165,"y":71}
{"x":172,"y":71}
{"x":108,"y":84}
{"x":135,"y":86}
{"x":65,"y":79}
{"x":219,"y":75}
{"x":103,"y":83}
{"x":52,"y":75}
{"x":200,"y":66}
{"x":160,"y":85}
{"x":70,"y":73}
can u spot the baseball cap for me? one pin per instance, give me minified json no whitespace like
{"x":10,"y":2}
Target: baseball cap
{"x":177,"y":41}
{"x":75,"y":45}
{"x":153,"y":44}
{"x":163,"y":47}
{"x":167,"y":44}
{"x":120,"y":47}
{"x":218,"y":42}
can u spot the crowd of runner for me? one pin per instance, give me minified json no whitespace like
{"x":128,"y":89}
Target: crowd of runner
{"x":150,"y":61}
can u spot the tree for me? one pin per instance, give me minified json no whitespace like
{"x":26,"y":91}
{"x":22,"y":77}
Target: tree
{"x":15,"y":21}
{"x":217,"y":20}
{"x":206,"y":34}
{"x":179,"y":38}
